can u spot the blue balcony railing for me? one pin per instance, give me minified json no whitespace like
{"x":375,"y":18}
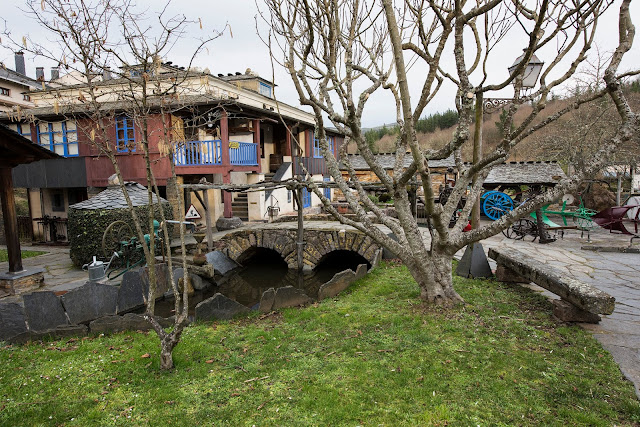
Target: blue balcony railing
{"x":246,"y":153}
{"x":202,"y":153}
{"x":198,"y":153}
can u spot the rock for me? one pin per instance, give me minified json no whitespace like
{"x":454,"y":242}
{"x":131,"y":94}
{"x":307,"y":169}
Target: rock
{"x":199,"y":259}
{"x":133,"y":291}
{"x":578,"y":293}
{"x":390,"y":212}
{"x":377,"y":257}
{"x":12,"y":321}
{"x":44,"y":311}
{"x":196,"y":281}
{"x":228,"y":223}
{"x":190,"y":290}
{"x":162,"y":279}
{"x":386,"y":253}
{"x":289,"y":297}
{"x":568,"y":312}
{"x":267,"y":300}
{"x":338,"y":283}
{"x":221,"y":263}
{"x":503,"y":274}
{"x":219,"y":307}
{"x":361,"y":271}
{"x":128,"y":322}
{"x":59,"y":332}
{"x":90,"y":301}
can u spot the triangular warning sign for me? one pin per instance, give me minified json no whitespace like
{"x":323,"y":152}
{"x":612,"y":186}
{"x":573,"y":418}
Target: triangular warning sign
{"x":192,"y":213}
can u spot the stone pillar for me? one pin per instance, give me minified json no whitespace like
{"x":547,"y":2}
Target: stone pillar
{"x":10,"y":220}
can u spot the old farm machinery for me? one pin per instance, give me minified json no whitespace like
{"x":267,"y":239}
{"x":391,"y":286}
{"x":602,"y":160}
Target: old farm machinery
{"x":119,"y":239}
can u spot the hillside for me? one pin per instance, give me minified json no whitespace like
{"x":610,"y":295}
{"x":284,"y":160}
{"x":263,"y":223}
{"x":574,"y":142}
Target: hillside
{"x":575,"y":134}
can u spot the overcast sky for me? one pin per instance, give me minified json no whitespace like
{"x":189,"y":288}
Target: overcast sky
{"x":241,"y":48}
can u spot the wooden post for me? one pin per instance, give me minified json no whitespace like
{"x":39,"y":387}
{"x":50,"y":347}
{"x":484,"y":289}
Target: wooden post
{"x":10,"y":220}
{"x":287,"y":145}
{"x":477,"y":155}
{"x":226,"y":196}
{"x":226,"y":161}
{"x":256,"y":140}
{"x":207,"y":217}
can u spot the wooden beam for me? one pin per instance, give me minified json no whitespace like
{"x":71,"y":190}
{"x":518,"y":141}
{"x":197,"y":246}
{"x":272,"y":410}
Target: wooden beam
{"x":10,"y":220}
{"x":207,"y":217}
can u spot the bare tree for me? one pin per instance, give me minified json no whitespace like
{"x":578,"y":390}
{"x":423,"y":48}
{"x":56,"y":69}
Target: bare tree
{"x":115,"y":55}
{"x":340,"y":52}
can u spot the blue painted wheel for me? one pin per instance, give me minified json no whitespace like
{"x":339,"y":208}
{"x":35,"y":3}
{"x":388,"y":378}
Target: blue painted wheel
{"x":495,"y":204}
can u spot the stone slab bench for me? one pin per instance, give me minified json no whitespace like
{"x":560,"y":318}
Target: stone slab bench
{"x":580,"y":302}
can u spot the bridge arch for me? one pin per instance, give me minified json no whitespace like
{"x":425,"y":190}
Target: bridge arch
{"x":319,"y":243}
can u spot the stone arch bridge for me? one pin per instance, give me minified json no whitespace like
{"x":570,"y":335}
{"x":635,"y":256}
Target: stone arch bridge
{"x":241,"y":244}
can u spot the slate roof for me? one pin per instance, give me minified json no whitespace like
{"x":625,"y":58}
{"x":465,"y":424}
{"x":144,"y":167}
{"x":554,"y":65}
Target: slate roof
{"x":16,"y":150}
{"x":15,"y":77}
{"x":112,"y":198}
{"x":387,"y":161}
{"x":548,"y":173}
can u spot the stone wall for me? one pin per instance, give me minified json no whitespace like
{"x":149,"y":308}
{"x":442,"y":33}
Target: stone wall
{"x":318,"y":243}
{"x":89,"y":308}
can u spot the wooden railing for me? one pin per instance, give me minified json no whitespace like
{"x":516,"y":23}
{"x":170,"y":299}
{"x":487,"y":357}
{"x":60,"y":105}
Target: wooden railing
{"x":314,"y":165}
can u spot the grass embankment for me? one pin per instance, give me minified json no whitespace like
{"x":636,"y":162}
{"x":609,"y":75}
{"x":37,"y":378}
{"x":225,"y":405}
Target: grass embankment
{"x":4,"y":255}
{"x":374,"y":356}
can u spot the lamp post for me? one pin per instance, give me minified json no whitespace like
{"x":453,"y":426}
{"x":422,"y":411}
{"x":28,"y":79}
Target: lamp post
{"x":530,"y":76}
{"x":474,"y":262}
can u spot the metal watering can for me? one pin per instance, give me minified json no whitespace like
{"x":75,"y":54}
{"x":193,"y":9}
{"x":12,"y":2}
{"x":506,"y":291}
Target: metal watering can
{"x":98,"y":269}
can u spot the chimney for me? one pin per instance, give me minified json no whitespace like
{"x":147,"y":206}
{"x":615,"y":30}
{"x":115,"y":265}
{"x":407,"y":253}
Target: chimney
{"x":106,"y":74}
{"x":55,"y":73}
{"x":40,"y":74}
{"x":20,"y":63}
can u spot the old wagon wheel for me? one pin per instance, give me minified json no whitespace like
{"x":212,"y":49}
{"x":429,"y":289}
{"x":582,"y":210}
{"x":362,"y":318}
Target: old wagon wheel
{"x":116,"y":233}
{"x":496,"y":204}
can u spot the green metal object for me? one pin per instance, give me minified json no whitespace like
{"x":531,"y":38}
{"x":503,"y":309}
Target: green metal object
{"x":118,"y":238}
{"x":581,"y":217}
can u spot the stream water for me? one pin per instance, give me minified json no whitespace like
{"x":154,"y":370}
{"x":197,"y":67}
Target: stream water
{"x":265,"y":270}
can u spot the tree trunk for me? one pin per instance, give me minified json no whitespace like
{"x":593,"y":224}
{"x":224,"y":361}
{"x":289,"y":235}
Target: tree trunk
{"x":434,"y":276}
{"x":167,"y":344}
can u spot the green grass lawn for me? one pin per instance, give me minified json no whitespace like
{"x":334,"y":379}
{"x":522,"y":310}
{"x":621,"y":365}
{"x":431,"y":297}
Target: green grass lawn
{"x":4,"y":256}
{"x":374,"y":356}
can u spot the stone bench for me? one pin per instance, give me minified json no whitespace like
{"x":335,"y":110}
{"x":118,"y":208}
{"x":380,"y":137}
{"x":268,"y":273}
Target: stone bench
{"x":580,"y":302}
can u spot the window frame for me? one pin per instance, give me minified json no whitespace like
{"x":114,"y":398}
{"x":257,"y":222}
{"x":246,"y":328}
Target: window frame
{"x":5,"y":91}
{"x":267,"y":87}
{"x":317,"y":150}
{"x":52,"y":142}
{"x":122,"y":144}
{"x":19,"y":130}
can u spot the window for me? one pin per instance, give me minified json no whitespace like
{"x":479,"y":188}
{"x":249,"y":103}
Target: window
{"x":22,"y":128}
{"x":26,"y":97}
{"x":57,"y":201}
{"x":4,"y":91}
{"x":317,"y":150}
{"x":125,"y":134}
{"x":59,"y":137}
{"x":265,"y":89}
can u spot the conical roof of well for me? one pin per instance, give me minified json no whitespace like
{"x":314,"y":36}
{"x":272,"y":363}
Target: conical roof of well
{"x":112,"y":198}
